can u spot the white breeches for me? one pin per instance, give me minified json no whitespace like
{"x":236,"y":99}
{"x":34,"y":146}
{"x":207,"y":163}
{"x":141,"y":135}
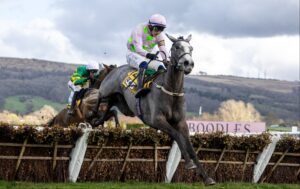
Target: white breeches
{"x":134,"y":60}
{"x":74,"y":88}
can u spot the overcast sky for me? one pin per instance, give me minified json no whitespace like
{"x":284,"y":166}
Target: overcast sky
{"x":249,"y":38}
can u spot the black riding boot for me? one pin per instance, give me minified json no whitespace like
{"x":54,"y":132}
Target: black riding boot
{"x":71,"y":111}
{"x":141,"y":90}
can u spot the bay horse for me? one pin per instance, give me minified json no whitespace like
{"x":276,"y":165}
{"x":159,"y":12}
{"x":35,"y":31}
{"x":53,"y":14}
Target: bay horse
{"x":88,"y":102}
{"x":163,"y":108}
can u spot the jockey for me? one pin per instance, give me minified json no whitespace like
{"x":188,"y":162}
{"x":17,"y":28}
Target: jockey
{"x":140,"y":45}
{"x":79,"y":81}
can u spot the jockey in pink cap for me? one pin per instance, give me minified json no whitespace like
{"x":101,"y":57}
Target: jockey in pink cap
{"x":140,"y":46}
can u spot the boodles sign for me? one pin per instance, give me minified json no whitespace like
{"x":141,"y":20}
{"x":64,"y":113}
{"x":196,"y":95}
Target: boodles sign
{"x":226,"y":127}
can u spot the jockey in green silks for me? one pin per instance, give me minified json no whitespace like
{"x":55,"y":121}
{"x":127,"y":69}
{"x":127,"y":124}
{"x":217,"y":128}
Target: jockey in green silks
{"x":80,"y":80}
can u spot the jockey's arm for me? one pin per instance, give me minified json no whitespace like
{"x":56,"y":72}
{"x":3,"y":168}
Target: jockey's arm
{"x":163,"y":50}
{"x":138,"y":42}
{"x":80,"y":81}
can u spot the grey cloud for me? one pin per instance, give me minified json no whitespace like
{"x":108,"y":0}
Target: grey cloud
{"x":104,"y":26}
{"x":244,"y":18}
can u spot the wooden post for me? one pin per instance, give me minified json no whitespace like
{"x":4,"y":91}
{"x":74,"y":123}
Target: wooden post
{"x":54,"y":156}
{"x":221,"y":156}
{"x":245,"y":163}
{"x":198,"y":150}
{"x":125,"y":160}
{"x":275,"y":166}
{"x":96,"y":157}
{"x":298,"y":172}
{"x":20,"y":156}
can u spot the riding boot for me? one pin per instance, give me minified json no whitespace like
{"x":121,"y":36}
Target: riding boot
{"x":141,"y":90}
{"x":71,"y":111}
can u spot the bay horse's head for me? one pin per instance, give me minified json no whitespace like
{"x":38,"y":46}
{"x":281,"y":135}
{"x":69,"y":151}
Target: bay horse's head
{"x":181,"y":54}
{"x":103,"y":73}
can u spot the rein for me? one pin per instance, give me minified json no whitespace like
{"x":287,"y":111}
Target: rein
{"x":164,"y":89}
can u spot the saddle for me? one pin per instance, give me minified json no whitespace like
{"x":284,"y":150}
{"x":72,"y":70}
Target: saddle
{"x":130,"y":80}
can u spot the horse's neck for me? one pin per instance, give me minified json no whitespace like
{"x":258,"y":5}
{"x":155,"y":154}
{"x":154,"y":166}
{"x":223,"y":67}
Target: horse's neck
{"x":173,"y":80}
{"x":99,"y":80}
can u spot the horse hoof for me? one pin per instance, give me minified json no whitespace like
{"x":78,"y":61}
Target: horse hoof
{"x":190,"y":165}
{"x":209,"y":181}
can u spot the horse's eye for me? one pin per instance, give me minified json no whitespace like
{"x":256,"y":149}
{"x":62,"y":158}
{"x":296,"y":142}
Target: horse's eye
{"x":177,"y":47}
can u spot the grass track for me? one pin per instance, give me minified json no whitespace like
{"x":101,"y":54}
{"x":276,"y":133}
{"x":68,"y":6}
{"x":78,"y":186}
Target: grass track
{"x":140,"y":185}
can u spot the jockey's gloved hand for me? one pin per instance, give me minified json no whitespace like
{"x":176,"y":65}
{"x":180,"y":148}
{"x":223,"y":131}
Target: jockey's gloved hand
{"x":143,"y":65}
{"x":151,"y":56}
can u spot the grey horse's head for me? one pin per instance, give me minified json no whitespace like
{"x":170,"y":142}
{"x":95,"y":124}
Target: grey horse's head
{"x":181,"y":53}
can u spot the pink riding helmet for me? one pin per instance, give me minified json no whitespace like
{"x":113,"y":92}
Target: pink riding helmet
{"x":158,"y":20}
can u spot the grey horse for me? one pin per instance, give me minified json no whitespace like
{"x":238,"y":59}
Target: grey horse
{"x":162,"y":108}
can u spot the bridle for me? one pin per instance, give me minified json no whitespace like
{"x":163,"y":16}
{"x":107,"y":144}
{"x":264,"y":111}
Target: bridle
{"x":176,"y":60}
{"x":177,"y":67}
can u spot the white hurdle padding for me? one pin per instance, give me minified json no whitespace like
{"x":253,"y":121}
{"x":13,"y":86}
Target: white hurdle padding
{"x":173,"y":161}
{"x":78,"y":152}
{"x":263,"y":159}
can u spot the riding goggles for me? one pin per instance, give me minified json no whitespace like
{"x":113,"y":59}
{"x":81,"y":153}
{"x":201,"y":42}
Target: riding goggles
{"x":158,"y":28}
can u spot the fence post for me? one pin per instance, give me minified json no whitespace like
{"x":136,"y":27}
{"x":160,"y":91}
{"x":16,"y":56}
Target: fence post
{"x":173,"y":161}
{"x":20,"y":156}
{"x":263,"y":159}
{"x":78,"y":152}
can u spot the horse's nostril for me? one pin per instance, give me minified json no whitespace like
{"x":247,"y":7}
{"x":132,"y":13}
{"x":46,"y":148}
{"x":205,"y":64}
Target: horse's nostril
{"x":186,"y":63}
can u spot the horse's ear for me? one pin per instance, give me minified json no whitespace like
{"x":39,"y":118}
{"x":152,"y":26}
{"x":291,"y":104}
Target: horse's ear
{"x":112,"y":66}
{"x":189,"y":38}
{"x":105,"y":66}
{"x":173,"y":39}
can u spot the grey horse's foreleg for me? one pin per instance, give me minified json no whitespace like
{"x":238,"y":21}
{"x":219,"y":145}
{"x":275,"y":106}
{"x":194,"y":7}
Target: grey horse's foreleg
{"x":183,"y":129}
{"x":112,"y":113}
{"x":115,"y":115}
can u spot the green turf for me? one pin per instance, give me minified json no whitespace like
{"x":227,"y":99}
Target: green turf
{"x":280,"y":129}
{"x":140,"y":185}
{"x":14,"y":104}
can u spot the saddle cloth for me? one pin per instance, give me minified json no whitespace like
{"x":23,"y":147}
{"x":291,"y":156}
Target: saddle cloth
{"x":130,"y":80}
